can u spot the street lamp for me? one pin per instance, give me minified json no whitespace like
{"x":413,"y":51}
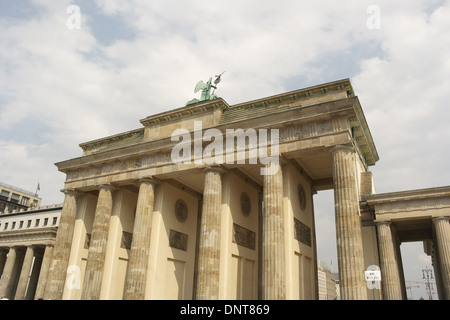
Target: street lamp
{"x":427,"y":275}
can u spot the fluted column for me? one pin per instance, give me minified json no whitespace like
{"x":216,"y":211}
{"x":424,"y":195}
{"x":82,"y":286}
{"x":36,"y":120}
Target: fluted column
{"x":348,"y":225}
{"x":43,"y":274}
{"x":5,"y":281}
{"x":442,"y":230}
{"x":140,"y":245}
{"x":63,"y":243}
{"x":390,"y":273}
{"x":97,"y":249}
{"x":3,"y":253}
{"x":273,"y":255}
{"x":24,"y":274}
{"x":209,"y":242}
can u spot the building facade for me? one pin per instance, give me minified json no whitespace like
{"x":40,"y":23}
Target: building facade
{"x":326,"y":282}
{"x":13,"y":199}
{"x":406,"y":216}
{"x":27,"y":239}
{"x":212,"y":201}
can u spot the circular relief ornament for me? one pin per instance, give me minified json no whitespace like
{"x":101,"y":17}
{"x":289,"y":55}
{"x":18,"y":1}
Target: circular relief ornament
{"x":181,"y":210}
{"x":302,"y":197}
{"x":245,"y":204}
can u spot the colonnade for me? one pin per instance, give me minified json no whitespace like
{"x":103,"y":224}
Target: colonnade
{"x":24,"y":271}
{"x":273,"y":277}
{"x":390,"y":260}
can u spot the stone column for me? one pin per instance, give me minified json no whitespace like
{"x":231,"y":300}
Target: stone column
{"x":442,"y":230}
{"x":24,"y":274}
{"x":44,"y":271}
{"x":390,"y":274}
{"x":5,"y":281}
{"x":97,"y":250}
{"x":140,"y":245}
{"x":209,"y":242}
{"x":348,"y":225}
{"x":3,"y":253}
{"x":273,"y":255}
{"x":63,"y":244}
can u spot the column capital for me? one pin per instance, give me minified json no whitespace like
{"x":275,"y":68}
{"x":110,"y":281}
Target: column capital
{"x":218,"y":169}
{"x":106,"y":186}
{"x":382,"y":223}
{"x":71,"y":191}
{"x":439,"y":218}
{"x":149,"y":180}
{"x":345,"y":147}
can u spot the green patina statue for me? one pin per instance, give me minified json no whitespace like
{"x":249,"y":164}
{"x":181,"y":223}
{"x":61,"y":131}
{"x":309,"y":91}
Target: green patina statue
{"x":206,"y":90}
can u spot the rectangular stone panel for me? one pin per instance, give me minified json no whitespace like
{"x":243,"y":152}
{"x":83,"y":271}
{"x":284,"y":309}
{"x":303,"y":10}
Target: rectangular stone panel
{"x":244,"y":237}
{"x":178,"y":240}
{"x":302,"y":232}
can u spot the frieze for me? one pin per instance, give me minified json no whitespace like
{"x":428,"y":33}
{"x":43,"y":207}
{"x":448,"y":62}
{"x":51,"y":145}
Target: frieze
{"x":178,"y":240}
{"x":131,"y":163}
{"x":244,"y":237}
{"x":412,"y":205}
{"x":302,"y":232}
{"x":120,"y":166}
{"x":302,"y":131}
{"x":294,"y":132}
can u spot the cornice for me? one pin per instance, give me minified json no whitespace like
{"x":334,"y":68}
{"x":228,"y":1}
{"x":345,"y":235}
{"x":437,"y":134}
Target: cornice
{"x":116,"y":148}
{"x":111,"y":139}
{"x":362,"y":135}
{"x":403,"y":196}
{"x":340,"y":85}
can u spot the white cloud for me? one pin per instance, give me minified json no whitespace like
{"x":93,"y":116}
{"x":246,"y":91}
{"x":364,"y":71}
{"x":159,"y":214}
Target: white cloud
{"x":63,"y":87}
{"x":405,"y":97}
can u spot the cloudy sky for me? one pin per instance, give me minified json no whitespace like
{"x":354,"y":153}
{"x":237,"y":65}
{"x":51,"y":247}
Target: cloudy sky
{"x":74,"y":71}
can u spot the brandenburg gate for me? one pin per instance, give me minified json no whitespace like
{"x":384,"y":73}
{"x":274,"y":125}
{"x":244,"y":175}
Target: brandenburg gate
{"x":215,"y":201}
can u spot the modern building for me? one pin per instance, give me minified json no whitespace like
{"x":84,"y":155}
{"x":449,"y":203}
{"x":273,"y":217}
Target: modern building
{"x":16,"y":199}
{"x":326,"y":282}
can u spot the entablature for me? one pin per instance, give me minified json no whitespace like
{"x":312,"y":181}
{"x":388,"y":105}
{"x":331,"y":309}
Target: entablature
{"x":332,"y":115}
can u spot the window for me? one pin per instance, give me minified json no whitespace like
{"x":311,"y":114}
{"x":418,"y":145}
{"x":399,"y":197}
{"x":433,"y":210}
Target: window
{"x":24,"y":201}
{"x":4,"y":195}
{"x":28,"y":223}
{"x":15,"y":198}
{"x":45,"y":221}
{"x":55,"y":219}
{"x":37,"y":223}
{"x":20,"y":224}
{"x":6,"y":226}
{"x":13,"y":225}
